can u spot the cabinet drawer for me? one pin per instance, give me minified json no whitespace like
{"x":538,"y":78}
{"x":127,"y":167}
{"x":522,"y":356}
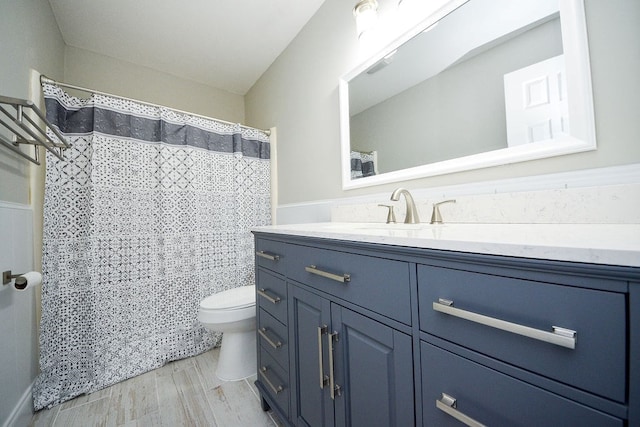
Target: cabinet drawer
{"x":274,"y":379}
{"x":377,"y":284}
{"x":272,"y":294}
{"x":272,"y":336}
{"x":271,"y":255}
{"x":596,"y":363}
{"x":493,"y":398}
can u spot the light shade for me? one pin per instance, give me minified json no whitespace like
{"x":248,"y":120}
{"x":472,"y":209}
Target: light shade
{"x":366,"y":14}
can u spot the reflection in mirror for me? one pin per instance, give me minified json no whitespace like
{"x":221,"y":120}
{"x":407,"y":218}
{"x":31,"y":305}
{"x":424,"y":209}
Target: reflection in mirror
{"x":493,"y":82}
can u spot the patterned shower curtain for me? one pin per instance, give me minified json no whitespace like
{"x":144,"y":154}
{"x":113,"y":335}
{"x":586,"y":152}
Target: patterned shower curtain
{"x":149,"y":213}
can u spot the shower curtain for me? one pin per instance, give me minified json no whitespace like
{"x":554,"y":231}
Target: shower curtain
{"x":363,"y":164}
{"x":149,"y":213}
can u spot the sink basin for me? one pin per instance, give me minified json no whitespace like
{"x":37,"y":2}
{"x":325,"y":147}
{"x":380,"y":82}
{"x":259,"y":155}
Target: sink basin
{"x":374,"y":226}
{"x":379,"y":226}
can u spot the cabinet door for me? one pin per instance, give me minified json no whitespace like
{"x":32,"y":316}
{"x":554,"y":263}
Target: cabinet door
{"x":374,"y":368}
{"x":311,"y":402}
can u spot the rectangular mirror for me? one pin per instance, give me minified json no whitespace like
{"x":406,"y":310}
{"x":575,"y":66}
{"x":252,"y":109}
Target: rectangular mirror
{"x":480,"y":83}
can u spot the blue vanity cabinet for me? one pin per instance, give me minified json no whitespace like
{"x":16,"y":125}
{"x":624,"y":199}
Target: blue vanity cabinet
{"x":386,"y":335}
{"x":349,"y":316}
{"x":271,"y":322}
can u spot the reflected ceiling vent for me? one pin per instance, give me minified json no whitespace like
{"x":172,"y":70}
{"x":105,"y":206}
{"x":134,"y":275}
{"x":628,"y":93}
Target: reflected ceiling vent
{"x":382,"y":63}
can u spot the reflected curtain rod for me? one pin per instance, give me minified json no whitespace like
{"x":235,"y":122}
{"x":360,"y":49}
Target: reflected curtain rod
{"x":45,"y":79}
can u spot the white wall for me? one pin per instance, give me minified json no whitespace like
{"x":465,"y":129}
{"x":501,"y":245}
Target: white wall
{"x":299,"y":95}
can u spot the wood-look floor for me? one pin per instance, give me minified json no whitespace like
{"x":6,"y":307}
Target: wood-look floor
{"x":182,"y":393}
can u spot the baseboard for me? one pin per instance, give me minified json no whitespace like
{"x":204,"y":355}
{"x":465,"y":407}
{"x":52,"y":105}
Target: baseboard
{"x":12,"y":205}
{"x":23,"y":411}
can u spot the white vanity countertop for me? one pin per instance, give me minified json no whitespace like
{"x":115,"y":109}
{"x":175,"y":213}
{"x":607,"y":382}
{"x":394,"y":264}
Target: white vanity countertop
{"x":613,"y":244}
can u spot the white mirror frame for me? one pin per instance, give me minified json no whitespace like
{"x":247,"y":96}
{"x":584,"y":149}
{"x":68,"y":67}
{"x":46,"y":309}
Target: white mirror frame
{"x":582,"y":138}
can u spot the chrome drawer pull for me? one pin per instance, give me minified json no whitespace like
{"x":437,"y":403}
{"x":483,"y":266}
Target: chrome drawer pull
{"x":334,"y":389}
{"x":263,"y":373}
{"x":263,"y":293}
{"x":268,"y":256}
{"x":272,"y":343}
{"x":322,"y":330}
{"x":560,"y":336}
{"x":447,"y":404}
{"x":337,"y":277}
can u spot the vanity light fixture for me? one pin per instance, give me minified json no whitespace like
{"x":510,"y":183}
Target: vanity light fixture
{"x":366,"y":14}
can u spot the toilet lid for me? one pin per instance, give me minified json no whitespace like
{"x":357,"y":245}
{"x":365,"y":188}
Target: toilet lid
{"x":240,"y":297}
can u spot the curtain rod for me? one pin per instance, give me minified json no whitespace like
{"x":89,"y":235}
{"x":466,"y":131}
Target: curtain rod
{"x":45,"y":79}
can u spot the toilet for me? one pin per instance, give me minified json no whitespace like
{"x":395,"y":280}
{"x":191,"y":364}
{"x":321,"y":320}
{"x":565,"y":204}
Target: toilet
{"x":233,"y":312}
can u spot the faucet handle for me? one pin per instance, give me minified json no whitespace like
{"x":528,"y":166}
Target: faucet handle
{"x":436,"y":217}
{"x":391,"y":216}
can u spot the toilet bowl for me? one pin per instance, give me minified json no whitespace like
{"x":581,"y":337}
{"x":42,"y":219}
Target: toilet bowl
{"x":233,"y":312}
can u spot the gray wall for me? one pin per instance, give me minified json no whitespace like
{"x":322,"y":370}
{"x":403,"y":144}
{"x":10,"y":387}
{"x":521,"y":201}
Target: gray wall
{"x":91,"y":70}
{"x":299,"y":95}
{"x":29,"y":39}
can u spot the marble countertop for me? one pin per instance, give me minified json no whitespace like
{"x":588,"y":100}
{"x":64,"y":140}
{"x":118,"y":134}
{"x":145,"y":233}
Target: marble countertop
{"x":611,"y":244}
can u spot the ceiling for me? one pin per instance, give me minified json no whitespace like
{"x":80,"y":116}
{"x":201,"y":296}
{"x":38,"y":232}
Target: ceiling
{"x":227,"y":44}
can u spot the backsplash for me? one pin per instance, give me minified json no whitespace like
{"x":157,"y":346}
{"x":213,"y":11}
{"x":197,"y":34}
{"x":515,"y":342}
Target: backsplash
{"x":611,"y":204}
{"x":614,"y":204}
{"x":608,"y":195}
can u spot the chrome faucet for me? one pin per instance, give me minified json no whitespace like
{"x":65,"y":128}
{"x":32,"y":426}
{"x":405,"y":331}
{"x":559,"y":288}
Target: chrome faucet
{"x":436,"y":216}
{"x":391,"y":216}
{"x":411,"y":217}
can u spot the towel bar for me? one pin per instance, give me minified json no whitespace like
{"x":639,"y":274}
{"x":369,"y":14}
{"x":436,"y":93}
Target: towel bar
{"x":25,"y":130}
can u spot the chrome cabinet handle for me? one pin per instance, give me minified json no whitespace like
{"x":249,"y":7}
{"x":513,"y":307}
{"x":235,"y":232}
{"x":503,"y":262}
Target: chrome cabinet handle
{"x":560,"y":336}
{"x":448,"y":404}
{"x":334,"y":388}
{"x":273,"y":343}
{"x":263,"y":293}
{"x":337,"y":277}
{"x":268,"y":256}
{"x":263,"y":373}
{"x":322,"y":330}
